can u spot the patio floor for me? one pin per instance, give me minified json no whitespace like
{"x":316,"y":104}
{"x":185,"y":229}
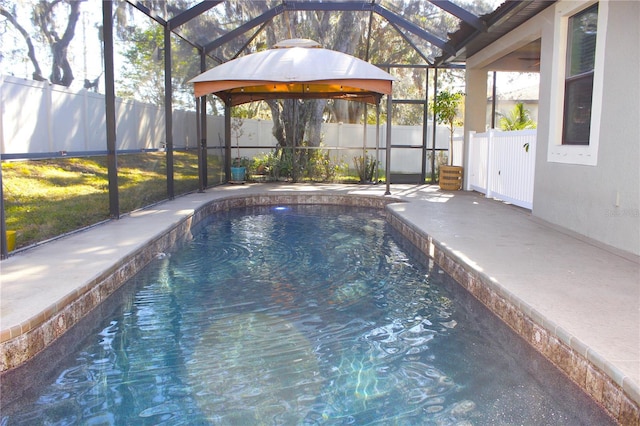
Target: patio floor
{"x":585,"y":293}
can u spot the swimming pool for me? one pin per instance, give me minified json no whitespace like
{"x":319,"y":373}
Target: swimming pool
{"x":298,"y":315}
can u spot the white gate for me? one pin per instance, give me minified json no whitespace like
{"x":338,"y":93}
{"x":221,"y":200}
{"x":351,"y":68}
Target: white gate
{"x":501,"y":167}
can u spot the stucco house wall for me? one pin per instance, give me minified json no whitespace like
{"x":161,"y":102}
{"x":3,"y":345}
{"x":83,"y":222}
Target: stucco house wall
{"x":592,"y":191}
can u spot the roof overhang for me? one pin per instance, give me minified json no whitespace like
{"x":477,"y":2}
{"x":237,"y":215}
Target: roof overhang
{"x":294,"y":69}
{"x":468,"y":40}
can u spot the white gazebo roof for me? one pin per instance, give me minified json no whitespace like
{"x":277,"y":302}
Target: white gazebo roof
{"x":296,"y":68}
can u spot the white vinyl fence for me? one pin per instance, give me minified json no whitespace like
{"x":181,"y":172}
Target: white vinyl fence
{"x":38,"y":119}
{"x":41,"y":118}
{"x":500,"y":167}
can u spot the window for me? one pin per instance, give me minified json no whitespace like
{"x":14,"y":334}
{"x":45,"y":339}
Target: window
{"x":581,"y":53}
{"x":576,"y":80}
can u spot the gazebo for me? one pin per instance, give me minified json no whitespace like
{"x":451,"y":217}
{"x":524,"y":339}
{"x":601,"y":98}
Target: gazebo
{"x":294,"y":69}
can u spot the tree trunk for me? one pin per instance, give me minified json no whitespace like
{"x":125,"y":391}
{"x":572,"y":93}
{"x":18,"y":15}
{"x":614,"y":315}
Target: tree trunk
{"x":314,"y":127}
{"x":61,"y":72}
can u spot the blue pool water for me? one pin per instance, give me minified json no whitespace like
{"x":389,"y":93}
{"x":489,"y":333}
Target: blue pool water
{"x":294,"y":315}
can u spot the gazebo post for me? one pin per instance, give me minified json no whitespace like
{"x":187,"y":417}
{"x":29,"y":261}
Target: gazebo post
{"x":295,"y":140}
{"x":203,"y":141}
{"x":388,"y":145}
{"x":227,"y":139}
{"x":364,"y":135}
{"x":201,"y":179}
{"x":377,"y":139}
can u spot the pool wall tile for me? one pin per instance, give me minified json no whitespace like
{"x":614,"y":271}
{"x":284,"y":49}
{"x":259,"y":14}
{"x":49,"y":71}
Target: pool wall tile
{"x":595,"y":383}
{"x":15,"y":351}
{"x":35,"y":342}
{"x":577,"y":369}
{"x":611,"y":397}
{"x":629,"y":413}
{"x":586,"y":368}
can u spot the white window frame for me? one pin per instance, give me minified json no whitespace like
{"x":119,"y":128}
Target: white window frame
{"x":575,"y":154}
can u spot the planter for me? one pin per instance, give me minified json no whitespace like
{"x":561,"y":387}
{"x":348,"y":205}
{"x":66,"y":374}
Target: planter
{"x":451,"y":178}
{"x":238,"y":174}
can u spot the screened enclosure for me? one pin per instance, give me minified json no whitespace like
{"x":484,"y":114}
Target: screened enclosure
{"x":100,"y":117}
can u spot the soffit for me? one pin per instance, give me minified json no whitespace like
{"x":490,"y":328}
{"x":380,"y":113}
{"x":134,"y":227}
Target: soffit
{"x":511,"y":14}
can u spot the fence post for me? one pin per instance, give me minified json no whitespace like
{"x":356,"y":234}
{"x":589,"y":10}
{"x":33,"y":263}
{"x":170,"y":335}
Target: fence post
{"x":489,"y":170}
{"x":472,"y":163}
{"x":85,"y":120}
{"x":49,"y":106}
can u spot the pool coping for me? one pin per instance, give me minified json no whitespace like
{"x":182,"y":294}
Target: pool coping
{"x":603,"y":381}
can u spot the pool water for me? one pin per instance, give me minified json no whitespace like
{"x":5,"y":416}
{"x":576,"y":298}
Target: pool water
{"x":295,"y":315}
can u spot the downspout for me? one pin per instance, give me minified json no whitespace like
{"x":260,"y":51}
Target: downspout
{"x":493,"y":101}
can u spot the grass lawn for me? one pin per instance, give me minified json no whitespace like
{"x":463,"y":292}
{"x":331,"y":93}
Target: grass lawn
{"x":47,"y":198}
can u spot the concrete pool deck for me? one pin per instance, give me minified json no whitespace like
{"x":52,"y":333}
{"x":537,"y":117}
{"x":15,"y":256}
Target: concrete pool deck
{"x":585,"y":295}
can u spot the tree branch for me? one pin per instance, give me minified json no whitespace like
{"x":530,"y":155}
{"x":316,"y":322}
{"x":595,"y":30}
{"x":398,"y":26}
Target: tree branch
{"x":31,"y":53}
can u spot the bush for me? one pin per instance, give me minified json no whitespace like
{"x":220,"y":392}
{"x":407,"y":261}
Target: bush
{"x":366,"y":168}
{"x":311,"y":164}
